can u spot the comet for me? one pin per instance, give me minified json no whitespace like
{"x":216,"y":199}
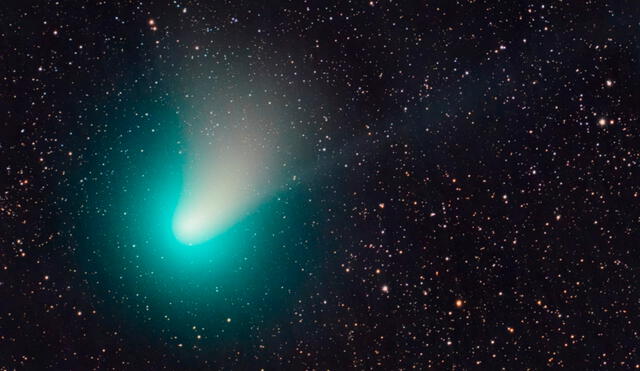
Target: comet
{"x":225,"y":178}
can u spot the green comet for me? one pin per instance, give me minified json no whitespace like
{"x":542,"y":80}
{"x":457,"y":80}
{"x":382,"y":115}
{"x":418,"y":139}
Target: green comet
{"x":225,"y":179}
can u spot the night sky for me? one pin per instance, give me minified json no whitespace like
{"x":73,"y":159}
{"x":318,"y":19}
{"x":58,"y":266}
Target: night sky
{"x":388,"y":185}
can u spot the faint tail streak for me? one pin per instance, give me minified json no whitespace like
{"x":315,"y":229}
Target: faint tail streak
{"x":225,"y":178}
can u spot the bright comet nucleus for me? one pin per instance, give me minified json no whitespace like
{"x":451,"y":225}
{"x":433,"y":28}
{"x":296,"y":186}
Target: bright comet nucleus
{"x":201,"y":217}
{"x":190,"y":228}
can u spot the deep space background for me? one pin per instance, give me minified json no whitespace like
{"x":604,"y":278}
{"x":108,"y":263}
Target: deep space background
{"x":456,"y":186}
